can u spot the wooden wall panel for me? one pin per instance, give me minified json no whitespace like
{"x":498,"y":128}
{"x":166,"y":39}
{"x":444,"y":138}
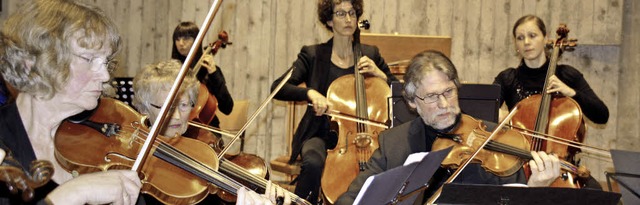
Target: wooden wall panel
{"x":267,"y":35}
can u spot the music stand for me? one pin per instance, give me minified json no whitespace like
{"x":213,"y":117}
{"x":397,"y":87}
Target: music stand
{"x":124,"y":89}
{"x":505,"y":195}
{"x":627,"y":175}
{"x":400,"y":185}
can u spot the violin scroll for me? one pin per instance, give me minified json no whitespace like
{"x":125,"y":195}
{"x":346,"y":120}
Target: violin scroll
{"x":19,"y":179}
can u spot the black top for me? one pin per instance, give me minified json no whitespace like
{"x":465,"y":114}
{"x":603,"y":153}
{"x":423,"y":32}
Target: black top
{"x":217,"y":86}
{"x":4,"y":92}
{"x":313,"y":67}
{"x":14,"y":136}
{"x":519,"y":83}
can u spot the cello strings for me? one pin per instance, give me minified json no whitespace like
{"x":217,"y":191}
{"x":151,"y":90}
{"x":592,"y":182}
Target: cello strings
{"x":604,"y":152}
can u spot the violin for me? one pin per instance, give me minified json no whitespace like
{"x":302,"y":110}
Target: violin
{"x":17,"y":178}
{"x":181,"y":171}
{"x":502,"y":153}
{"x":111,"y":139}
{"x":503,"y":156}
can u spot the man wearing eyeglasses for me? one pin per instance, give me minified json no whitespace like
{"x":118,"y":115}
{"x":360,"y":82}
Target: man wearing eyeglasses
{"x":431,"y":88}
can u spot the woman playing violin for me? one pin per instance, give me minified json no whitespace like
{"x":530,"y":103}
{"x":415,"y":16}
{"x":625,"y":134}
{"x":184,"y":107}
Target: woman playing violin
{"x":530,"y":37}
{"x":58,"y":54}
{"x":183,"y":38}
{"x":318,"y":66}
{"x":431,"y":87}
{"x":152,"y":85}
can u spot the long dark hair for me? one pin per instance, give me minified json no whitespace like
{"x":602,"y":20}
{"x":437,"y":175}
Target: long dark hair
{"x":185,"y":29}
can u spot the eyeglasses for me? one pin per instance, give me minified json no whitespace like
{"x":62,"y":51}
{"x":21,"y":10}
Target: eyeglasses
{"x":341,"y":14}
{"x":182,"y":106}
{"x":96,"y":61}
{"x":434,"y":97}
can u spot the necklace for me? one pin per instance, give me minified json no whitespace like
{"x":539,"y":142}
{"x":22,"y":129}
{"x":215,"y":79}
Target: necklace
{"x":341,"y":61}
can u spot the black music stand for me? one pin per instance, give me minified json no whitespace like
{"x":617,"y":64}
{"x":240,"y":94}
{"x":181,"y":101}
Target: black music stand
{"x":504,"y":195}
{"x":124,"y":89}
{"x":627,"y":175}
{"x":401,"y":185}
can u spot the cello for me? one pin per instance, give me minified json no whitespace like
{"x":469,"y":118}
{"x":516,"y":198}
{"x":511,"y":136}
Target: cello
{"x":552,"y":114}
{"x":364,"y":98}
{"x":205,"y":106}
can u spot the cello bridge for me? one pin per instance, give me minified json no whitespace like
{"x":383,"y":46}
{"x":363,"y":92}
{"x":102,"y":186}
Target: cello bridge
{"x":363,"y":140}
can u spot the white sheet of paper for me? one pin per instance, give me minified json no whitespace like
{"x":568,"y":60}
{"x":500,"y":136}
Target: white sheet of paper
{"x":415,"y":157}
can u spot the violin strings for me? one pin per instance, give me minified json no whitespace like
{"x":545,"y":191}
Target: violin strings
{"x":525,"y":155}
{"x":182,"y":158}
{"x":232,"y":167}
{"x":197,"y":168}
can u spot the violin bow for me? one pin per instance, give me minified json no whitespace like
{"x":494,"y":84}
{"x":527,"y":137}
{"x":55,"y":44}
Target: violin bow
{"x":455,"y":174}
{"x":255,"y":114}
{"x":153,"y":133}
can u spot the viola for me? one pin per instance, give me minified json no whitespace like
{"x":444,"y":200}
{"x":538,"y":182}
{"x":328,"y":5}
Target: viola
{"x":364,"y":98}
{"x":538,"y":111}
{"x":17,"y":178}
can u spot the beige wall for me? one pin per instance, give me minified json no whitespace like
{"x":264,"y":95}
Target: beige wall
{"x":267,"y":35}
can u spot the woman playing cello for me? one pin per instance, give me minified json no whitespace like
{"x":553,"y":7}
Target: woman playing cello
{"x":318,"y":66}
{"x":529,"y":77}
{"x":530,"y":36}
{"x":58,"y":55}
{"x":183,"y":38}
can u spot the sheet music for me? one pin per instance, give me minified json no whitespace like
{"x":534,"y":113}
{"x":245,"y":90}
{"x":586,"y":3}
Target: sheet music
{"x":413,"y":158}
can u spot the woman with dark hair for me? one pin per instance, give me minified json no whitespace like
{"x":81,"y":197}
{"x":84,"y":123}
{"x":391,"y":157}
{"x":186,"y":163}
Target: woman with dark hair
{"x":318,"y":66}
{"x":183,"y":38}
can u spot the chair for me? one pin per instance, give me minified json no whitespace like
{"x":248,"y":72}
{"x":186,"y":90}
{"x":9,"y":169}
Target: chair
{"x":280,"y":164}
{"x":234,"y":122}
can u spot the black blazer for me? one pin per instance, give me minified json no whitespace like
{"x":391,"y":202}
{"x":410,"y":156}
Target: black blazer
{"x":312,"y":68}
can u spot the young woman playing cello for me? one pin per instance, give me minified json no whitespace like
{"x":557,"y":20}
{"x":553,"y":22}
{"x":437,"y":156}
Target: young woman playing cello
{"x":210,"y":74}
{"x":530,"y":37}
